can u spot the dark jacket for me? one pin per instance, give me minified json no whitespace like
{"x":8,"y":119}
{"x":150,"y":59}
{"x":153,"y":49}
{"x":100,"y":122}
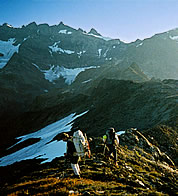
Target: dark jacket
{"x":70,"y":148}
{"x":71,"y":152}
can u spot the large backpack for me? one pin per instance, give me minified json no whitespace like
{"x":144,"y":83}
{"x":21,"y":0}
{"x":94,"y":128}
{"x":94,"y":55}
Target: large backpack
{"x":80,"y":143}
{"x":112,"y":137}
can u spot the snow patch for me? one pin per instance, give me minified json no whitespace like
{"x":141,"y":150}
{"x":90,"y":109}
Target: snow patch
{"x":44,"y":149}
{"x":68,"y":51}
{"x":36,"y":66}
{"x":7,"y":49}
{"x":99,"y":52}
{"x":55,"y":48}
{"x":64,"y":31}
{"x":80,"y":53}
{"x":69,"y":75}
{"x":104,"y":55}
{"x":8,"y":25}
{"x":26,"y":38}
{"x":174,"y":37}
{"x":139,"y":45}
{"x":101,"y":37}
{"x":86,"y":81}
{"x":120,"y":132}
{"x":98,"y":36}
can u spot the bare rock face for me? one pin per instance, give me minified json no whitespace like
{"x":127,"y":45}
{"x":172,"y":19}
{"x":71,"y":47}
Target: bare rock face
{"x":135,"y":140}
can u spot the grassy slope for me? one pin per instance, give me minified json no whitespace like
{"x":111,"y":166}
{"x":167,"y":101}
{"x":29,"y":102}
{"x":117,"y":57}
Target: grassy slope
{"x":135,"y":175}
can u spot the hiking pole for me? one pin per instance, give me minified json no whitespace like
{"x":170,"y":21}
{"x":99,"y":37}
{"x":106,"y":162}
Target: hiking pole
{"x":104,"y":140}
{"x":104,"y":150}
{"x":89,"y":151}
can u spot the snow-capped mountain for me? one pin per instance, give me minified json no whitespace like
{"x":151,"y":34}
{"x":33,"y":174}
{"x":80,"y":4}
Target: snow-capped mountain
{"x":37,"y":58}
{"x":48,"y":47}
{"x":41,"y":65}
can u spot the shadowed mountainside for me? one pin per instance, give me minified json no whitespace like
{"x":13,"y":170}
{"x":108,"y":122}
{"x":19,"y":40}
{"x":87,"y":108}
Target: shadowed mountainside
{"x":121,"y":104}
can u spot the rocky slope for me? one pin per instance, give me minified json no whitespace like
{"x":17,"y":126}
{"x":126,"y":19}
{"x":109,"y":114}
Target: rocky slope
{"x":141,"y":171}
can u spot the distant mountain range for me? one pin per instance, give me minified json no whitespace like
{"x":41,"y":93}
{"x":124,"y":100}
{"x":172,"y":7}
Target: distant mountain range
{"x":37,"y":58}
{"x":47,"y":72}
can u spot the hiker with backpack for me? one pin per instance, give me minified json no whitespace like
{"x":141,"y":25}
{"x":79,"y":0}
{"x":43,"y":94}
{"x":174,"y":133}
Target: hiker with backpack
{"x":111,"y":141}
{"x":71,"y":154}
{"x":81,"y":143}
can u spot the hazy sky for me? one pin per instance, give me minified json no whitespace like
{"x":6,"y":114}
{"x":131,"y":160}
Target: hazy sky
{"x":123,"y":19}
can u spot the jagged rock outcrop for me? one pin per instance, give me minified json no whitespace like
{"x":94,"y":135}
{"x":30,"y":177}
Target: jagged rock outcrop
{"x":94,"y":32}
{"x":134,"y":139}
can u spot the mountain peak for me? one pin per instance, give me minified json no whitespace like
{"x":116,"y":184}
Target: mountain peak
{"x":61,"y":24}
{"x":94,"y":32}
{"x":7,"y":25}
{"x":81,"y":30}
{"x":32,"y":25}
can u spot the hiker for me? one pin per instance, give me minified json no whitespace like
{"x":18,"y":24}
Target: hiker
{"x":71,"y":154}
{"x":111,"y":141}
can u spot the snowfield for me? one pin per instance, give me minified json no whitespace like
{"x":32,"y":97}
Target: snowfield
{"x":68,"y":74}
{"x":7,"y":49}
{"x":55,"y":72}
{"x":43,"y":149}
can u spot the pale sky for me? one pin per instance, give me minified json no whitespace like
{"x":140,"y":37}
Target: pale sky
{"x":127,"y":20}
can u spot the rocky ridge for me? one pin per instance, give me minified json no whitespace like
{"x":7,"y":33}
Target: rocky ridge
{"x":141,"y":171}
